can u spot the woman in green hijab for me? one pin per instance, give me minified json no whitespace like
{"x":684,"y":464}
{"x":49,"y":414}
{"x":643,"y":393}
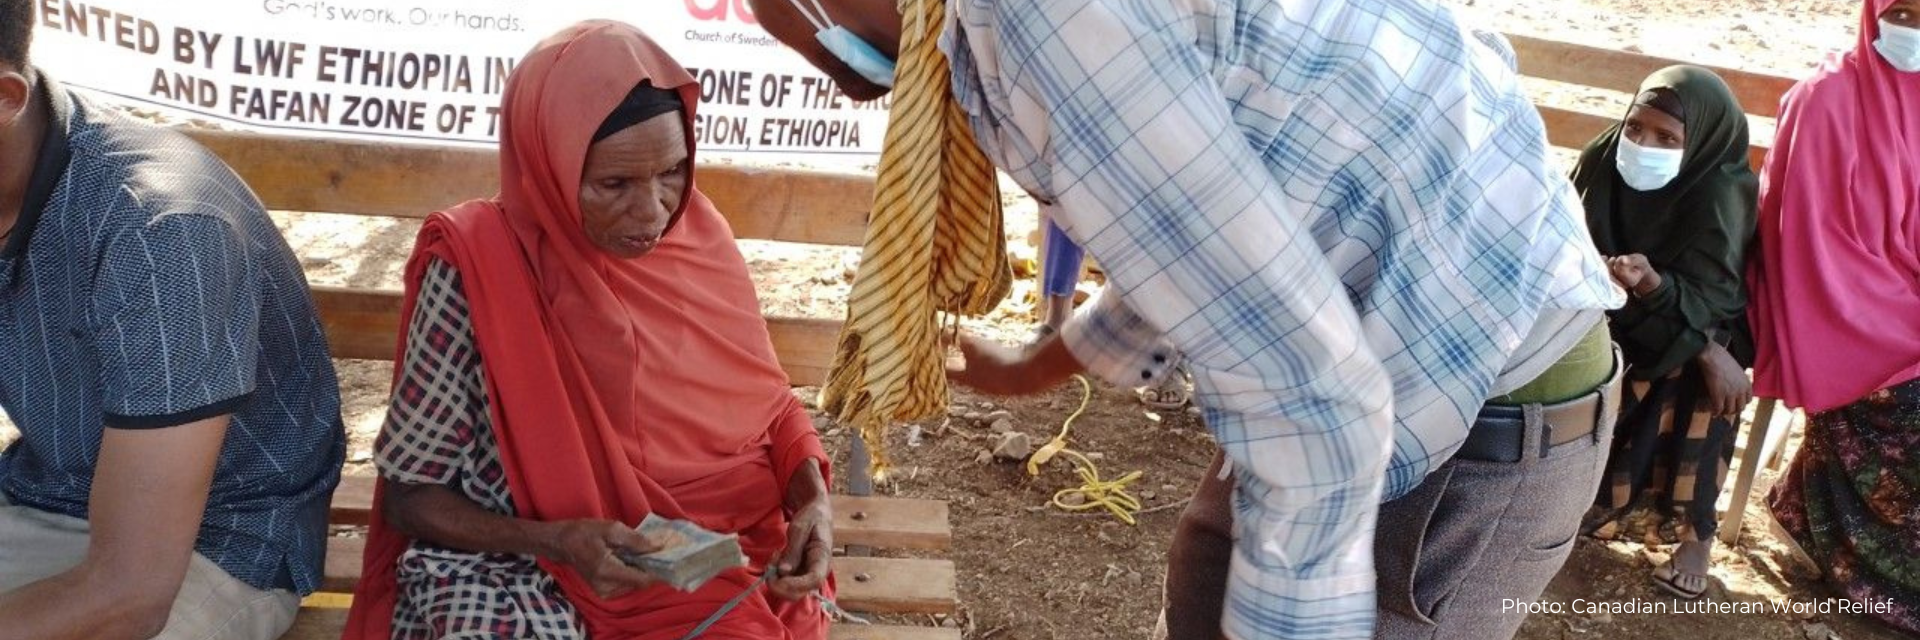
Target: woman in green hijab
{"x":1670,"y":200}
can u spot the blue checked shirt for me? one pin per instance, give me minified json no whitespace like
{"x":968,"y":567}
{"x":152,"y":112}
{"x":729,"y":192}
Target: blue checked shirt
{"x":1343,"y":214}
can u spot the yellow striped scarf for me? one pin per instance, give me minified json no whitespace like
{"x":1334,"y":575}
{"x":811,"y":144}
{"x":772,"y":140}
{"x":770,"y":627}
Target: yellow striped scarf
{"x":934,"y":245}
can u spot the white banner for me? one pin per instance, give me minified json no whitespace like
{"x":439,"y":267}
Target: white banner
{"x":429,"y":70}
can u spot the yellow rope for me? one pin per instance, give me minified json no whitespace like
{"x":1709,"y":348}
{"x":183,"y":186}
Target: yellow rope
{"x":1094,"y":493}
{"x":934,"y":246}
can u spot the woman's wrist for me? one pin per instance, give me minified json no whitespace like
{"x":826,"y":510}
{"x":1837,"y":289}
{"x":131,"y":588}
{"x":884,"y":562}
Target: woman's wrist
{"x":806,"y":486}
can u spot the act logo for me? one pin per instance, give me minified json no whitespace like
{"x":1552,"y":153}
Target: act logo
{"x":720,"y":10}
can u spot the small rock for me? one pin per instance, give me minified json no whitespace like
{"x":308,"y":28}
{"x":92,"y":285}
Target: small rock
{"x":1013,"y":445}
{"x":1169,"y":488}
{"x":956,"y":411}
{"x":1193,"y":411}
{"x":949,"y":622}
{"x":973,"y":416}
{"x":1074,"y":499}
{"x":360,"y":456}
{"x":1001,"y":426}
{"x":827,"y":277}
{"x":984,"y":405}
{"x":1147,"y":495}
{"x":1818,"y":631}
{"x":984,"y":457}
{"x":998,"y":416}
{"x":1095,"y":455}
{"x":913,"y":435}
{"x":1602,"y":617}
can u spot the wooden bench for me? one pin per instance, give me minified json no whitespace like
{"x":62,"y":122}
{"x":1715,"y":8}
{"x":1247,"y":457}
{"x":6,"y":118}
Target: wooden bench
{"x":409,"y":181}
{"x":867,"y":585}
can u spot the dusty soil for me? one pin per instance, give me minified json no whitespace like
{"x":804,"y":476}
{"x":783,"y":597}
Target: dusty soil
{"x":1029,"y":571}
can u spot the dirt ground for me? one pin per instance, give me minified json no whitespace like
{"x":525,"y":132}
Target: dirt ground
{"x":1029,"y":571}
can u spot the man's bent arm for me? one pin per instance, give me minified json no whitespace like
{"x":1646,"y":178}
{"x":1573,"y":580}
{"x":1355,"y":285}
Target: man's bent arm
{"x":149,"y":491}
{"x":1109,"y":111}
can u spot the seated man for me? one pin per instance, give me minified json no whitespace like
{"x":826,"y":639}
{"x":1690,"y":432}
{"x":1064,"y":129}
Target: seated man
{"x":586,"y":350}
{"x":154,"y":328}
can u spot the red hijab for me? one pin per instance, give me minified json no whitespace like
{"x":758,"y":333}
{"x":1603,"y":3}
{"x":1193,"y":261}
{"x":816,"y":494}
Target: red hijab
{"x":618,"y":387}
{"x":1836,"y":289}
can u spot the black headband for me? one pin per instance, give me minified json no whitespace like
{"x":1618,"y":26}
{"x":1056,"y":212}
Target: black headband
{"x":644,"y":102}
{"x":1663,"y":100}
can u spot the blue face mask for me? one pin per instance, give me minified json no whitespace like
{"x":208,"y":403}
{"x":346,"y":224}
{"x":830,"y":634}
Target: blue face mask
{"x":876,"y":67}
{"x":1900,"y":46}
{"x":1646,"y":169}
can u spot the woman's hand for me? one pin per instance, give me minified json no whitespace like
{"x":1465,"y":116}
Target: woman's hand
{"x":589,"y":546}
{"x":803,"y":564}
{"x":1634,"y":273}
{"x":1728,"y":387}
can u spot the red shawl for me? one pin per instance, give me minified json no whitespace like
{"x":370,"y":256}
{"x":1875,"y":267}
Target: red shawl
{"x":617,"y":387}
{"x":1836,"y":286}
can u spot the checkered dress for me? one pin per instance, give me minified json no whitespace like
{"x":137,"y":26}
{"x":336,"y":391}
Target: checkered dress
{"x":439,"y":431}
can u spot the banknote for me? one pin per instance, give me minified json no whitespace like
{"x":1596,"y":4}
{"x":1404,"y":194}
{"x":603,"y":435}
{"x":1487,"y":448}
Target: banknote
{"x":689,"y":555}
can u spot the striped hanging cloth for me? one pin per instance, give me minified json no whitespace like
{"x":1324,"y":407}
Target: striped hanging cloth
{"x":935,"y":244}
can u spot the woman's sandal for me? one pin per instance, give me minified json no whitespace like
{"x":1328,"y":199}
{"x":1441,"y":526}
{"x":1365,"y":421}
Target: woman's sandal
{"x":1670,"y":579}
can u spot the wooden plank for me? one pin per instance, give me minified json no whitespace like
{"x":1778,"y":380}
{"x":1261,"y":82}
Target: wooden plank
{"x":1623,"y":71}
{"x":892,"y":523}
{"x":330,"y":624}
{"x":317,"y":624}
{"x":365,"y":324}
{"x":1574,"y":129}
{"x":1749,"y":467}
{"x":895,"y":585}
{"x":352,"y":500}
{"x":362,"y":324}
{"x":889,"y":632}
{"x":411,"y":181}
{"x":877,"y":585}
{"x":342,"y":569}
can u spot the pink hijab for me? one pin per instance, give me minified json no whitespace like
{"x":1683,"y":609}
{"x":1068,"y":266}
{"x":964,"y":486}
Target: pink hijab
{"x":1836,"y":289}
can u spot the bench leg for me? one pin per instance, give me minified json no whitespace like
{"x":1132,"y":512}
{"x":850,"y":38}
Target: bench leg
{"x":859,"y":483}
{"x":1749,"y":467}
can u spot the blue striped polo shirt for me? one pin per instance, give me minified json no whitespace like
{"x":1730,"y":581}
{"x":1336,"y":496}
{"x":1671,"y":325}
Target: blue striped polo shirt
{"x":145,"y":287}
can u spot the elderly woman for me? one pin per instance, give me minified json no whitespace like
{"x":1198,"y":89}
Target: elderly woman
{"x":1836,"y":310}
{"x":585,"y":350}
{"x":1669,"y":194}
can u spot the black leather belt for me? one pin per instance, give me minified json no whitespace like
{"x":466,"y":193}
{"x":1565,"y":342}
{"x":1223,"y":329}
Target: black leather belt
{"x":1499,"y":434}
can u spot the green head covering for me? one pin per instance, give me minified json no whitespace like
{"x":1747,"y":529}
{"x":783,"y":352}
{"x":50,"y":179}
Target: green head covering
{"x":1694,"y":231}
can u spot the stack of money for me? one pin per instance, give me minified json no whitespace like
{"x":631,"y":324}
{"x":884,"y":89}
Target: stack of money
{"x":688,"y":555}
